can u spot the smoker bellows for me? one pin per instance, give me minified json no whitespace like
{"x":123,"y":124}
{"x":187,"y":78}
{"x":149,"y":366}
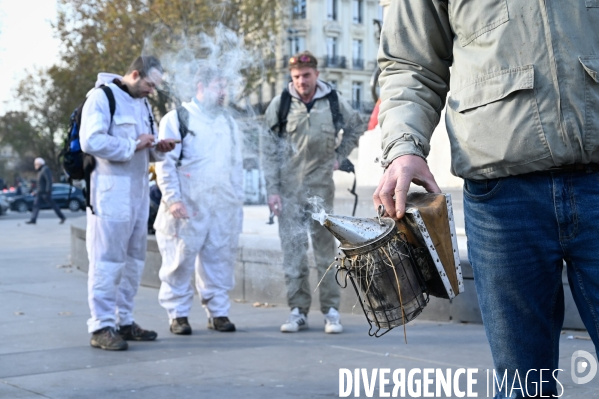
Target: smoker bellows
{"x":395,"y":266}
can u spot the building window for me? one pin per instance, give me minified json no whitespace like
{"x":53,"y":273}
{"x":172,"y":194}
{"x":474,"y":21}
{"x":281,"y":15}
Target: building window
{"x":357,"y":55}
{"x":299,"y":9}
{"x":332,"y":46}
{"x":356,"y":94}
{"x":357,"y":6}
{"x":332,"y":10}
{"x":298,"y":44}
{"x":333,"y":60}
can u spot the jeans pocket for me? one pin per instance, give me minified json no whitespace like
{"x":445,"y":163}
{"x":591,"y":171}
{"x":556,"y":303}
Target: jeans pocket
{"x":481,"y":189}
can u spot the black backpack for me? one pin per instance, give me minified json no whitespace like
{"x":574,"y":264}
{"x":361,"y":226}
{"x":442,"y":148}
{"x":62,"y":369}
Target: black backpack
{"x":76,"y":164}
{"x":285,"y":104}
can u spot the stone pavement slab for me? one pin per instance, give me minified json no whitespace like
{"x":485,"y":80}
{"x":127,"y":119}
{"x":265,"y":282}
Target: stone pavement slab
{"x":45,"y":352}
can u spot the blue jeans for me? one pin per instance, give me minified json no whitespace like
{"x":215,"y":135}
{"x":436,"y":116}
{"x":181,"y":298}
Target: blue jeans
{"x":520,"y":229}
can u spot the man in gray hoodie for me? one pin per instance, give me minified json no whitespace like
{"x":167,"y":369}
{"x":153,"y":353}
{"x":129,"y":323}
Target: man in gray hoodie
{"x":299,"y":157}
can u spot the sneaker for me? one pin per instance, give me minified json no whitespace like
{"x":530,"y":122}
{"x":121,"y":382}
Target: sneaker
{"x":134,"y":332}
{"x":222,"y":324}
{"x":332,"y":324}
{"x":180,"y":326}
{"x":296,"y":321}
{"x":62,"y":220}
{"x":30,"y":222}
{"x":108,"y":339}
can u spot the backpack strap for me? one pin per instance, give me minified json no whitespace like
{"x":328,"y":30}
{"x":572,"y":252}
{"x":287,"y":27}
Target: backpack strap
{"x":335,"y":110}
{"x":89,"y":162}
{"x":183,"y":118}
{"x":111,"y":101}
{"x":285,"y":105}
{"x":283,"y":111}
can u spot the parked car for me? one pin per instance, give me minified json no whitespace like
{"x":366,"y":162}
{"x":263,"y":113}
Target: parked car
{"x":4,"y":205}
{"x":60,"y":195}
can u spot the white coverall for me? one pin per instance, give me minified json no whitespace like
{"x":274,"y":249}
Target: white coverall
{"x":117,"y":233}
{"x":209,"y":182}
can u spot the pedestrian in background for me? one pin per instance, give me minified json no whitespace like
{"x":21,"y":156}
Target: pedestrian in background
{"x":43,"y":192}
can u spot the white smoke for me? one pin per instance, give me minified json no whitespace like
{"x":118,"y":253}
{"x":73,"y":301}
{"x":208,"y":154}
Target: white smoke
{"x":185,"y":58}
{"x":318,"y":211}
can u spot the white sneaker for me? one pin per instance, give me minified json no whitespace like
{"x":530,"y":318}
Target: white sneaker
{"x":297,"y":321}
{"x":332,"y":324}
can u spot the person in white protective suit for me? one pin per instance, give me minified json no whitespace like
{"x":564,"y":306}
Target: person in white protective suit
{"x":200,"y":216}
{"x":122,"y":145}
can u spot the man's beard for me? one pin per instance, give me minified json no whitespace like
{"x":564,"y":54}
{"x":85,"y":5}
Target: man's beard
{"x":215,"y":103}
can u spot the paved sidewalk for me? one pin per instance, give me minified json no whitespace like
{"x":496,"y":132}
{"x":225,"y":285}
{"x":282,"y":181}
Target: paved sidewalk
{"x":45,"y":352}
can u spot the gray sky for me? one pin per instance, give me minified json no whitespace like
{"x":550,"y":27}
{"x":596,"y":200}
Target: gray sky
{"x":26,"y":41}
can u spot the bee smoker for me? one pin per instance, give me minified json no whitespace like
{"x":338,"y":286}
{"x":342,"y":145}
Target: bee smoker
{"x":394,"y":266}
{"x":380,"y":266}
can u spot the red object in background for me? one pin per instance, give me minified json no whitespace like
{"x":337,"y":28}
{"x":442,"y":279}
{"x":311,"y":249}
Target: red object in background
{"x":374,"y":117}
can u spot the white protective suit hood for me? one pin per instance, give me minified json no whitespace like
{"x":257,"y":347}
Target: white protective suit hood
{"x":104,"y":78}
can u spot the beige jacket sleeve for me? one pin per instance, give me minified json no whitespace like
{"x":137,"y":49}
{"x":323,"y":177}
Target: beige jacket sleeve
{"x":414,"y":56}
{"x":270,"y":149}
{"x":354,"y":127}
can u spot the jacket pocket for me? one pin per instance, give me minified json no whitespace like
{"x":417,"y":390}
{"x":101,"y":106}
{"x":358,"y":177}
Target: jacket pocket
{"x":495,"y":122}
{"x":124,"y":126}
{"x":113,"y":197}
{"x":328,"y":132}
{"x":472,"y":18}
{"x":591,"y":101}
{"x":291,"y":125}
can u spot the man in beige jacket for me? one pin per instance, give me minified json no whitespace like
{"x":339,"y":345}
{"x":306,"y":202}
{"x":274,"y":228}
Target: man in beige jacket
{"x":299,"y":157}
{"x":523,"y":123}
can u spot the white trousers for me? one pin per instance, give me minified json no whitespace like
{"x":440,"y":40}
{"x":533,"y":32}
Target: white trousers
{"x":211,"y":254}
{"x":116,"y":252}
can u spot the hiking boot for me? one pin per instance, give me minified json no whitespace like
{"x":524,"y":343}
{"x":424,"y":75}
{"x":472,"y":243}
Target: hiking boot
{"x":107,"y":338}
{"x":221,"y":324}
{"x":332,"y":323}
{"x":180,"y":326}
{"x":296,"y":321}
{"x":134,"y":332}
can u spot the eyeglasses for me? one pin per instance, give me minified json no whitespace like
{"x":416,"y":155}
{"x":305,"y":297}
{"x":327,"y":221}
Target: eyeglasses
{"x":304,"y":59}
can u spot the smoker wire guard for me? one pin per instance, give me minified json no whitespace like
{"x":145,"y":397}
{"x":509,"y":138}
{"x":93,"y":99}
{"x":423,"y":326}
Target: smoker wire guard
{"x":395,"y":238}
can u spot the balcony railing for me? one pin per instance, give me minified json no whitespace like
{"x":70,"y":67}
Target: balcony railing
{"x":358,"y":64}
{"x":334,"y":62}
